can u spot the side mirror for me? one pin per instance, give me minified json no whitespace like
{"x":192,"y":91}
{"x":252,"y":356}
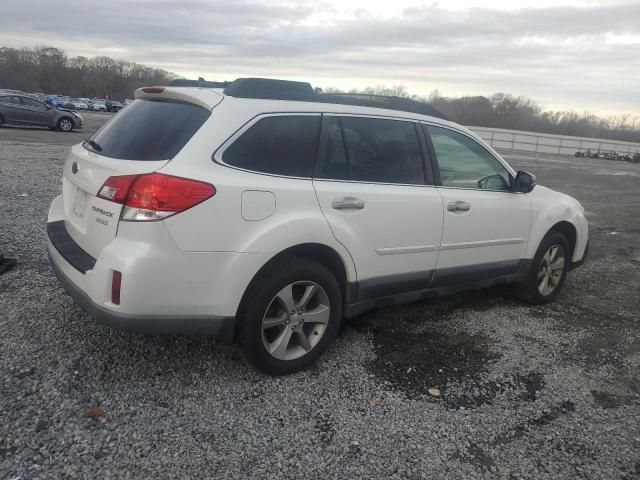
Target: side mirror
{"x":525,"y":182}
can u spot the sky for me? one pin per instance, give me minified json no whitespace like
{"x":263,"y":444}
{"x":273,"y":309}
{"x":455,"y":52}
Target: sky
{"x":581,"y":55}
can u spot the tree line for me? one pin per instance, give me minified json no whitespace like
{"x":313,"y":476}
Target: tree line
{"x":502,"y":110}
{"x":49,"y":70}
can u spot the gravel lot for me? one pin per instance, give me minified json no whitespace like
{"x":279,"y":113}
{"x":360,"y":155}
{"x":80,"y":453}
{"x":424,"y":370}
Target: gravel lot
{"x":526,"y":392}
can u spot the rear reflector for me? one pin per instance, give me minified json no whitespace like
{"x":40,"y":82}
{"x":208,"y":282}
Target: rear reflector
{"x":153,"y":89}
{"x":116,"y":283}
{"x":154,"y":196}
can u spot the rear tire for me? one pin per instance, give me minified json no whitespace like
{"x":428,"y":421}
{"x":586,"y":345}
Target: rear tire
{"x":289,"y":315}
{"x":548,"y":270}
{"x":65,"y":124}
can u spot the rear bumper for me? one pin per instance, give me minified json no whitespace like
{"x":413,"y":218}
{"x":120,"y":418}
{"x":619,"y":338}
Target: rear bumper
{"x":222,"y":327}
{"x":164,"y":290}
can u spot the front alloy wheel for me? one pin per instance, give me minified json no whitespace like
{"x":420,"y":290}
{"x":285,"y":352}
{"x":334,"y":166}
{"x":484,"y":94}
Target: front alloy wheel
{"x":548,"y":270}
{"x":65,"y":125}
{"x":295,"y":320}
{"x":551,"y":270}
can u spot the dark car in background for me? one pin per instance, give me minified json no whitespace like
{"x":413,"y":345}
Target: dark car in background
{"x":113,"y":106}
{"x":25,"y":110}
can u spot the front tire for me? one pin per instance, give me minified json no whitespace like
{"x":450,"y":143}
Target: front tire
{"x":65,"y":124}
{"x":289,"y":316}
{"x":548,"y":270}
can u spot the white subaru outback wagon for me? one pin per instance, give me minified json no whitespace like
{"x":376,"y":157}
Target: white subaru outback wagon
{"x":265,"y":213}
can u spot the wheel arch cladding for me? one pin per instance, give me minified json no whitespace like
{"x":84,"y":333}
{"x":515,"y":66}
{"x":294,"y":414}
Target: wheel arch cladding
{"x":320,"y":253}
{"x":570,"y":233}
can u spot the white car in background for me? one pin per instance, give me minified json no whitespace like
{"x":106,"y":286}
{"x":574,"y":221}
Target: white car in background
{"x":264,"y":212}
{"x":77,"y":104}
{"x":97,"y":106}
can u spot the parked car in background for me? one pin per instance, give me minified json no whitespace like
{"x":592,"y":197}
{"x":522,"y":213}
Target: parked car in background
{"x":77,"y":104}
{"x":301,"y":212}
{"x":55,"y":101}
{"x":96,"y":105}
{"x":26,"y":110}
{"x":113,"y":106}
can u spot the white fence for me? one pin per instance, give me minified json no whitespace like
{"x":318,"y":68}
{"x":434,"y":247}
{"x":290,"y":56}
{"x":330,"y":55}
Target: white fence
{"x":520,"y":141}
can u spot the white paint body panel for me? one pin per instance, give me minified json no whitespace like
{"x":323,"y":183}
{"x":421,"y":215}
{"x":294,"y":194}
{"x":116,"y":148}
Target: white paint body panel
{"x":398,"y":230}
{"x":496,"y":228}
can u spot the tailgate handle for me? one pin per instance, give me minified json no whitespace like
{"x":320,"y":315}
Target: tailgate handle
{"x":348,"y":203}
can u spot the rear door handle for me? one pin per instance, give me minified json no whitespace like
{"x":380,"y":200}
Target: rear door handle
{"x":458,"y":206}
{"x":348,"y":203}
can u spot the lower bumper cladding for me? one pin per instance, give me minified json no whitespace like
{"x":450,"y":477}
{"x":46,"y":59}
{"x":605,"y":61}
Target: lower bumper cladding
{"x":222,"y":327}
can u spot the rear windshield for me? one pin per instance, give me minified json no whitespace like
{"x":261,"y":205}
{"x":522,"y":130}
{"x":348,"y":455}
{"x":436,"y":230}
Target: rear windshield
{"x":148,"y":130}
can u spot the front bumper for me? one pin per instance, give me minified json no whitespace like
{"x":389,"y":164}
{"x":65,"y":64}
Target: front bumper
{"x":577,"y":264}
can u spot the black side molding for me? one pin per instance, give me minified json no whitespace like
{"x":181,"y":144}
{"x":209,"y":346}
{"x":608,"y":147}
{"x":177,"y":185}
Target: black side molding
{"x":408,"y":288}
{"x":68,"y":248}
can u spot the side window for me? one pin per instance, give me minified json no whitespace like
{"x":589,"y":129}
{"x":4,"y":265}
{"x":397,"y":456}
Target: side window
{"x":332,"y":158}
{"x":464,"y":163}
{"x":377,"y":150}
{"x":280,"y":145}
{"x":10,"y":100}
{"x":31,"y":102}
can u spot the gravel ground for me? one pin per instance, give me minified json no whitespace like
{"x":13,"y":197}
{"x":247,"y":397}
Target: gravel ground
{"x":525,"y":392}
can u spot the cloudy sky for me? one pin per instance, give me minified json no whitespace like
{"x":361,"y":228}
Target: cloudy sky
{"x":566,"y":54}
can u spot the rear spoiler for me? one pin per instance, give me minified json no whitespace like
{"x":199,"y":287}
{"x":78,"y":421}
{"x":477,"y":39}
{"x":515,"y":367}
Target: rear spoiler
{"x":202,"y":97}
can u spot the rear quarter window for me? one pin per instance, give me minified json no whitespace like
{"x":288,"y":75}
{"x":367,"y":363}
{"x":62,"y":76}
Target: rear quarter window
{"x":279,"y":145}
{"x":149,"y":130}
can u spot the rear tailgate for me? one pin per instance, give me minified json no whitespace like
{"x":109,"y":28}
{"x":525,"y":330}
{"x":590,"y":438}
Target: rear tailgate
{"x":91,"y":221}
{"x":139,"y":140}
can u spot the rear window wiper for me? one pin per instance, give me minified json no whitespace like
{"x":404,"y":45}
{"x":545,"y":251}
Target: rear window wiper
{"x":94,"y":145}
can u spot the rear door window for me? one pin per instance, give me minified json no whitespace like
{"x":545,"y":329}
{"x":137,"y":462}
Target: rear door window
{"x":371,"y":150}
{"x":149,"y":130}
{"x":279,"y":145}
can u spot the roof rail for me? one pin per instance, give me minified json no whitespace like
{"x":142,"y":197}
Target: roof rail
{"x":265,"y":88}
{"x":201,"y":82}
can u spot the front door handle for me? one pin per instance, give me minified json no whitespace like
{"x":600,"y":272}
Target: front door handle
{"x":458,"y":206}
{"x":348,"y":203}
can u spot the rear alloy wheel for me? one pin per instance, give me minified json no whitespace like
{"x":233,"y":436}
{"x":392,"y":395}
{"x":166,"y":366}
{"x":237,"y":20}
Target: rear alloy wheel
{"x":295,"y":320}
{"x":65,"y":124}
{"x":548,"y":270}
{"x":290,"y":315}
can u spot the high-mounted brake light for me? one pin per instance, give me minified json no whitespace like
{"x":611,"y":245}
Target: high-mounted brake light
{"x":153,"y":89}
{"x":154,"y":196}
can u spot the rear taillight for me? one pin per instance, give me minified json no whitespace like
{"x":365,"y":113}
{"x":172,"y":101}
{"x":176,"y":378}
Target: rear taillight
{"x":154,"y":196}
{"x":117,"y":188}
